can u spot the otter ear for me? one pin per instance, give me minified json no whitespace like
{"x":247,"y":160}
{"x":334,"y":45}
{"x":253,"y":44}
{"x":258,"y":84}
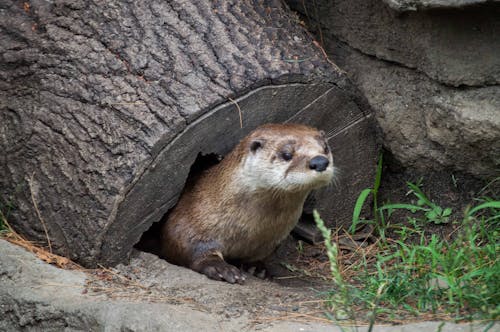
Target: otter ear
{"x":322,"y":133}
{"x":256,"y":144}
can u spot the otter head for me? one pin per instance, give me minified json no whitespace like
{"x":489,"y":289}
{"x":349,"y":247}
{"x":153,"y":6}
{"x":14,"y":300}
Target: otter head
{"x":286,"y":157}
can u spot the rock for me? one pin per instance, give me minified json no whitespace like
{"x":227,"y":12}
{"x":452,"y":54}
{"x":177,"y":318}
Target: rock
{"x":454,"y":47}
{"x":410,"y":5}
{"x":36,"y":296}
{"x":437,"y":104}
{"x":425,"y":124}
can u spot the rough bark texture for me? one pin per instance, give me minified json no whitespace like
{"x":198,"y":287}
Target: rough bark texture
{"x":432,"y":78}
{"x":105,"y":105}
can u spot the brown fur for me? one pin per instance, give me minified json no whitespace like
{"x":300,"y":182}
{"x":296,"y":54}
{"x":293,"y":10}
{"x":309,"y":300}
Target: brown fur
{"x":218,"y":217}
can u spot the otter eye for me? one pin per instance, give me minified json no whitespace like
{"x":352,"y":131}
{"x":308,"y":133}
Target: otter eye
{"x":286,"y":156}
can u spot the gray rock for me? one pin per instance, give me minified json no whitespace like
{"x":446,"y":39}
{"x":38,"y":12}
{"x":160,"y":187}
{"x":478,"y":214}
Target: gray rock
{"x":407,"y":5}
{"x":454,"y":47}
{"x":425,"y":124}
{"x":429,"y":117}
{"x":36,"y":296}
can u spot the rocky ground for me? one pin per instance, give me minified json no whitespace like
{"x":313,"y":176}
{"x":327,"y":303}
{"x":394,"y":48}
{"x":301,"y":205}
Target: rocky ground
{"x":152,"y":295}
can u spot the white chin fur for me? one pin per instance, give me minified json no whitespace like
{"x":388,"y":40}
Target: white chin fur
{"x":305,"y":180}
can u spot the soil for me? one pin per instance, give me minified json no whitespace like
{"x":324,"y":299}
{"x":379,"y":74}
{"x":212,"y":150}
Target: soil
{"x":447,"y":189}
{"x":150,"y":278}
{"x":151,"y":295}
{"x":298,"y":292}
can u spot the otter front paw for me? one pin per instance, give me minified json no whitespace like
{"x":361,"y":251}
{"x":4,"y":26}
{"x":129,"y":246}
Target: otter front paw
{"x":221,"y":270}
{"x":214,"y":267}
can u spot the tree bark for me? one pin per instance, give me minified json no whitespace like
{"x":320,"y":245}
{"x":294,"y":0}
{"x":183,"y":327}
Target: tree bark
{"x":106,"y":104}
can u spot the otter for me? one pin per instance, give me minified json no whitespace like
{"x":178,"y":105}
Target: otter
{"x":243,"y":207}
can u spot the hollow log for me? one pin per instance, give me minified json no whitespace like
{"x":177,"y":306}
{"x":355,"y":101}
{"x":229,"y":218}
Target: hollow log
{"x":104,"y":106}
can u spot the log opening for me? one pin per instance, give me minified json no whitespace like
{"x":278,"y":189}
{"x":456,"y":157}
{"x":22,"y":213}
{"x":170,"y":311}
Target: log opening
{"x":150,"y":240}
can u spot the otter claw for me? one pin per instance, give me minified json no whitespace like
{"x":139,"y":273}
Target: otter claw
{"x":220,"y":270}
{"x":257,"y":269}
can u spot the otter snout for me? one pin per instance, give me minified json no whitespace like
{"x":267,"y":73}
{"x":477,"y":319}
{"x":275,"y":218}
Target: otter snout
{"x":319,"y":163}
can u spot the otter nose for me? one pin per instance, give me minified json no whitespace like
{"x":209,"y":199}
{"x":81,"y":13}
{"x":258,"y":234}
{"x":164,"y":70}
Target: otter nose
{"x":319,"y":163}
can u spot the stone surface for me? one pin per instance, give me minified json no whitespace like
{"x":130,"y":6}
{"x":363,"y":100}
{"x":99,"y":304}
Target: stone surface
{"x":425,"y":124}
{"x":429,"y":118}
{"x":36,"y":296}
{"x":410,"y":5}
{"x":454,"y":47}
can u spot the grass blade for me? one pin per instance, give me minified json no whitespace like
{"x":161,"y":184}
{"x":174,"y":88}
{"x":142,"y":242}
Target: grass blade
{"x":378,"y":174}
{"x":360,"y":202}
{"x":410,"y":207}
{"x":487,"y":205}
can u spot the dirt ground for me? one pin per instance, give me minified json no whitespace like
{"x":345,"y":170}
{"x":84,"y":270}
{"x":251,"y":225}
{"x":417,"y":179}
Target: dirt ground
{"x":299,"y":289}
{"x":151,"y":295}
{"x":301,"y":282}
{"x":300,"y":270}
{"x":454,"y":190}
{"x":301,"y":275}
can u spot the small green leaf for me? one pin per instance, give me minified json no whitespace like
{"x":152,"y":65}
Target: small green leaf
{"x":431,"y":214}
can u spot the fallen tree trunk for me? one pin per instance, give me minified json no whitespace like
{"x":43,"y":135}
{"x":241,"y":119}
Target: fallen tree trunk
{"x":105,"y":106}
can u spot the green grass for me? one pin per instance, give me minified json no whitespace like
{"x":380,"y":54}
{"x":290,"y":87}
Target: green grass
{"x":433,"y":213}
{"x":340,"y":302}
{"x":3,"y":218}
{"x":3,"y":226}
{"x":459,"y":277}
{"x":416,"y":272}
{"x":363,"y":197}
